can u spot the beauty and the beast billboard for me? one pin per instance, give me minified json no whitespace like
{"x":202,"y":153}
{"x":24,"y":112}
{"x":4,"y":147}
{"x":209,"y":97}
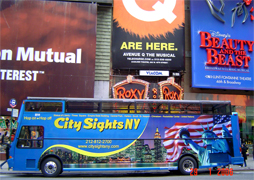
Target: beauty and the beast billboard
{"x":47,"y":49}
{"x":222,"y":36}
{"x":148,"y":34}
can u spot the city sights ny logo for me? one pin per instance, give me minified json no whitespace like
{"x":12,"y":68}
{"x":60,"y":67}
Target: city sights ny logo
{"x":149,"y":18}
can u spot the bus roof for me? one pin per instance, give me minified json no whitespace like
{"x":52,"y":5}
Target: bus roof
{"x":128,"y":100}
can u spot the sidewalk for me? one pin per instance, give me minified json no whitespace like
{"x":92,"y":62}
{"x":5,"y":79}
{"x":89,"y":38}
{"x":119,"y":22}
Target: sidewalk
{"x":250,"y":167}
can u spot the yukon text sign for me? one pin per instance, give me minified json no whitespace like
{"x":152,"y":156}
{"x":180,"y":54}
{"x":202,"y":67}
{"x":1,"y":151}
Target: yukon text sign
{"x":153,"y":73}
{"x":47,"y":49}
{"x":222,"y":44}
{"x":148,"y":34}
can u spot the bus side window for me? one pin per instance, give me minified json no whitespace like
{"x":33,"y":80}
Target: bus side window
{"x":176,"y":108}
{"x":106,"y":107}
{"x":82,"y":107}
{"x":143,"y":108}
{"x":162,"y":109}
{"x":123,"y":107}
{"x":31,"y":106}
{"x":44,"y":106}
{"x":31,"y":137}
{"x":209,"y":109}
{"x":222,"y":109}
{"x":193,"y":108}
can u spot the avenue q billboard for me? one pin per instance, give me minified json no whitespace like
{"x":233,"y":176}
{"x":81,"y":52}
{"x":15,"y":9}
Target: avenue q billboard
{"x":47,"y":49}
{"x":222,"y":38}
{"x":148,"y":34}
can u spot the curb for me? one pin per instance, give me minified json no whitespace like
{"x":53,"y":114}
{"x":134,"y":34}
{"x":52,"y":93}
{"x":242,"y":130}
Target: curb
{"x":5,"y":171}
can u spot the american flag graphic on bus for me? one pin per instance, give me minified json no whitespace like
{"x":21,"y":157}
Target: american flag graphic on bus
{"x":174,"y":145}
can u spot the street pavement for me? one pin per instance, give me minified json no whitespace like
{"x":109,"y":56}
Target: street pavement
{"x":250,"y":167}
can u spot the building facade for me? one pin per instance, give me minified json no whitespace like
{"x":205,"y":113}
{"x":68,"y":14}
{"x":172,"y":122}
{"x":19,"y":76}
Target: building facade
{"x":111,"y":49}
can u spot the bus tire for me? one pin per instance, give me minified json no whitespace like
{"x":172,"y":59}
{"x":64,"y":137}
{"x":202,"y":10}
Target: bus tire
{"x":186,"y":164}
{"x":51,"y":167}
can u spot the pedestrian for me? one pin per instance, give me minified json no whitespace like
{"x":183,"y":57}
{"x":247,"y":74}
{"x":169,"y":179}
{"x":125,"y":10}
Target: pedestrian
{"x":244,"y":153}
{"x":34,"y":138}
{"x":13,"y":135}
{"x":3,"y":137}
{"x":253,"y":150}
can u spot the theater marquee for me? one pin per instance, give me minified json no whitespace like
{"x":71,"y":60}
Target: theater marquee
{"x":132,"y":88}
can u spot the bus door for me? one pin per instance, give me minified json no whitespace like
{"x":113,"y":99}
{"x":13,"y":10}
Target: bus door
{"x":29,"y":145}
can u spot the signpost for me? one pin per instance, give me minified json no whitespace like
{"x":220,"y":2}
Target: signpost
{"x":13,"y":104}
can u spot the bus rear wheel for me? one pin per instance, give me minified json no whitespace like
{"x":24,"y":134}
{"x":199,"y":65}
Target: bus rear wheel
{"x":51,"y":167}
{"x":186,"y":164}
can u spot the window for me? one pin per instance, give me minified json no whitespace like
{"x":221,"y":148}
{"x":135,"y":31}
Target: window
{"x":123,"y":107}
{"x":217,"y":109}
{"x":106,"y":107}
{"x":82,"y":107}
{"x":185,"y":108}
{"x":142,"y":108}
{"x":103,"y":107}
{"x":31,"y":137}
{"x":161,"y":108}
{"x":44,"y":106}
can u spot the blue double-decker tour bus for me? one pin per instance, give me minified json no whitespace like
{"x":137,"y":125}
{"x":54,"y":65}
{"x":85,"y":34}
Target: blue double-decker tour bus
{"x":55,"y":135}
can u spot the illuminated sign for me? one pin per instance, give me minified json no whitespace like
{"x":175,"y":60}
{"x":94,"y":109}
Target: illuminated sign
{"x":148,"y":34}
{"x":153,"y":73}
{"x":222,"y":44}
{"x":44,"y":53}
{"x":170,"y":90}
{"x":226,"y":53}
{"x":132,"y":88}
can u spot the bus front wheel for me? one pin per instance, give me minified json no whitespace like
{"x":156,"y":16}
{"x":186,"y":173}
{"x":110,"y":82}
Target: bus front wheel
{"x":187,"y":164}
{"x":51,"y":167}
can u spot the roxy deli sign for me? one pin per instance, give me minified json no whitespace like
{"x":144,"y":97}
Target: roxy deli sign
{"x":226,"y":52}
{"x":132,"y":88}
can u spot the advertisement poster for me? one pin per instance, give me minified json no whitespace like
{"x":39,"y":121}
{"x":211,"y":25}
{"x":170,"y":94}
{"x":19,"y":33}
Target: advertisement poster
{"x":47,"y":50}
{"x":148,"y":34}
{"x":152,"y":141}
{"x":222,"y":41}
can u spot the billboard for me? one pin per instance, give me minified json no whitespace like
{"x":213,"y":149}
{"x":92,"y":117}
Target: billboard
{"x":148,"y":34}
{"x":47,"y":49}
{"x":222,"y":41}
